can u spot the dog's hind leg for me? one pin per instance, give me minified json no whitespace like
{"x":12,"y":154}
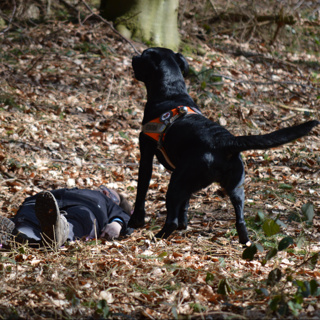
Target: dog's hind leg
{"x":185,"y":180}
{"x":183,"y":216}
{"x":233,"y":185}
{"x":237,"y":198}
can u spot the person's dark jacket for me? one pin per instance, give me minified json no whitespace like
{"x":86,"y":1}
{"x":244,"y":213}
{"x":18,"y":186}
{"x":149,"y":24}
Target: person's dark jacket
{"x":103,"y":208}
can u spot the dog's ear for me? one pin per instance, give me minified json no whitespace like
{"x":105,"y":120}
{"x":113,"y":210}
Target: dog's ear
{"x":183,"y":63}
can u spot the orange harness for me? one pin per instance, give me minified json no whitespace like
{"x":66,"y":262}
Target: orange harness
{"x":157,"y":128}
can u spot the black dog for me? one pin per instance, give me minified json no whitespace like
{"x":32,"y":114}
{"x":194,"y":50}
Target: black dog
{"x":197,"y":150}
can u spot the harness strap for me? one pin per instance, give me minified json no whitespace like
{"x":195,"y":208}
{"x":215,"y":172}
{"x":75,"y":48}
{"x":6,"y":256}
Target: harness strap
{"x":157,"y":128}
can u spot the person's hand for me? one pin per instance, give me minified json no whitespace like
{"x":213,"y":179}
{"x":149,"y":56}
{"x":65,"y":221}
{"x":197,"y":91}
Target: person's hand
{"x":111,"y":230}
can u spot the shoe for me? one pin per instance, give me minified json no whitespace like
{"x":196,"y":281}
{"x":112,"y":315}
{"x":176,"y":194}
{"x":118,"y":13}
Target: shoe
{"x":54,"y":226}
{"x":6,"y":229}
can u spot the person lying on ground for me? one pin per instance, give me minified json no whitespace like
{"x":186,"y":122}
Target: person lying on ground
{"x":50,"y":218}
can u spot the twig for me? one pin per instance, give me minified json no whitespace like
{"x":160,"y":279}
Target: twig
{"x":239,"y":17}
{"x":10,"y":20}
{"x":110,"y":90}
{"x":12,"y":179}
{"x":261,"y":57}
{"x":111,"y":26}
{"x":213,"y":7}
{"x":34,"y":64}
{"x":305,"y":262}
{"x":86,"y":18}
{"x":128,"y":164}
{"x":298,"y":5}
{"x":284,"y":84}
{"x":295,"y":109}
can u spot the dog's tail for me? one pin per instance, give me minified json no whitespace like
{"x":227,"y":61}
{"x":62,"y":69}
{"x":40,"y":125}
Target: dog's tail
{"x":270,"y":140}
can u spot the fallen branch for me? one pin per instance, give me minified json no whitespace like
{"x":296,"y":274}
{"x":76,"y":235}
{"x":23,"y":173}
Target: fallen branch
{"x":258,"y":57}
{"x":258,"y":83}
{"x":294,"y":109}
{"x":238,"y":17}
{"x":111,"y":26}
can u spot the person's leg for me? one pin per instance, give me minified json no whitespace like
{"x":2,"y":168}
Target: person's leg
{"x":27,"y":227}
{"x":28,"y":232}
{"x":82,"y":223}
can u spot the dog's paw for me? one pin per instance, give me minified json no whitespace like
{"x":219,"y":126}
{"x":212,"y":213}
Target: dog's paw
{"x":137,"y":219}
{"x":182,"y":226}
{"x":244,"y":240}
{"x":247,"y":244}
{"x":166,"y":231}
{"x":183,"y":220}
{"x":242,"y":233}
{"x":135,"y":224}
{"x":161,"y":235}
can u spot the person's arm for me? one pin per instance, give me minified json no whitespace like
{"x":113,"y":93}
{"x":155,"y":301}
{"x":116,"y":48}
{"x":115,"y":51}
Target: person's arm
{"x":111,"y":230}
{"x":117,"y":222}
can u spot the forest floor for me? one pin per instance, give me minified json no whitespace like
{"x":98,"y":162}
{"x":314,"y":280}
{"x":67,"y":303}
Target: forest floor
{"x":70,"y":116}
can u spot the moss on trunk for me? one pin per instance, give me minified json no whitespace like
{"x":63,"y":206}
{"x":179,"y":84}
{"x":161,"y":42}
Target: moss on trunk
{"x":152,"y":21}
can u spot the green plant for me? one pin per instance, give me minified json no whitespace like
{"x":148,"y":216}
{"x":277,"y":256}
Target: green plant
{"x":71,"y":296}
{"x":282,"y":301}
{"x":206,"y":78}
{"x":8,"y":100}
{"x":224,"y":287}
{"x":103,"y":308}
{"x":285,"y":304}
{"x":137,"y":287}
{"x":197,"y":307}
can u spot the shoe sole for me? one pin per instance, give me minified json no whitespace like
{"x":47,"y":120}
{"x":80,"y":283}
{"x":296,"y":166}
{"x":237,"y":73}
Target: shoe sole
{"x":6,"y":229}
{"x":47,"y":212}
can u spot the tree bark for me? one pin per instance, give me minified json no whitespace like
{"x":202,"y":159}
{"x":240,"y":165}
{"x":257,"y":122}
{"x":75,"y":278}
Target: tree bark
{"x":152,"y":21}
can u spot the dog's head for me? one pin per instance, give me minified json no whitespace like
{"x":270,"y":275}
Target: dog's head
{"x":156,"y":64}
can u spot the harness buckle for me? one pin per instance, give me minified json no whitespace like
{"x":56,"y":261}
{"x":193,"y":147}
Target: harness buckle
{"x":183,"y":110}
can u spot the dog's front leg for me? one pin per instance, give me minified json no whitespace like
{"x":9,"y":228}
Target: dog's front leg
{"x":177,"y":200}
{"x":147,"y":151}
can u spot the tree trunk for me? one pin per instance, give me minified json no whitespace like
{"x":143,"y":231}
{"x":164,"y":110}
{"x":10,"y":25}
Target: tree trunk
{"x":152,"y":21}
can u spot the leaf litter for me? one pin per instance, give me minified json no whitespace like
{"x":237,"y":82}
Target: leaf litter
{"x":70,"y":115}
